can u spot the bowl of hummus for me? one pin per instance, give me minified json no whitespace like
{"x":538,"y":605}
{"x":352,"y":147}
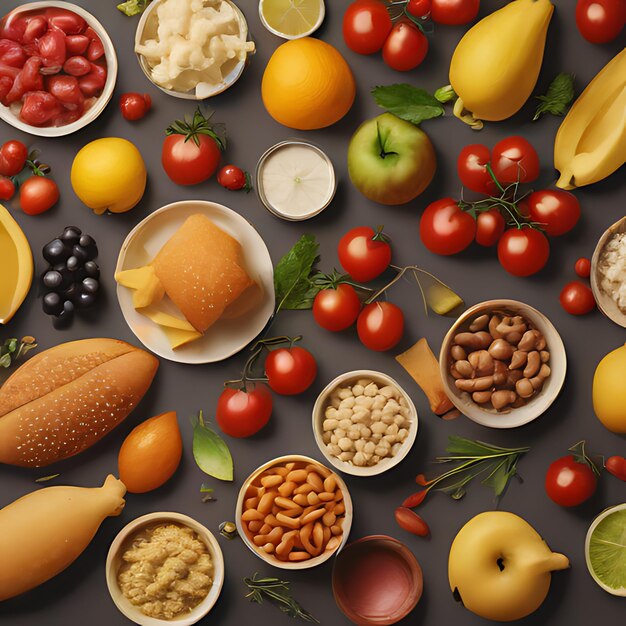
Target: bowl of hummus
{"x":165,"y":567}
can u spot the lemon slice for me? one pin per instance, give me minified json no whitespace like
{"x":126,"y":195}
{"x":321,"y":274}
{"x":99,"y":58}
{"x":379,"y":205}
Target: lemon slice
{"x":605,"y":550}
{"x":292,"y":19}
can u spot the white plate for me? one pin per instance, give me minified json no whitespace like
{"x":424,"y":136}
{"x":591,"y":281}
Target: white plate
{"x":227,"y":336}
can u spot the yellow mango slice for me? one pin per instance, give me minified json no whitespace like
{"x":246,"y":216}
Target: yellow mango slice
{"x":148,"y":289}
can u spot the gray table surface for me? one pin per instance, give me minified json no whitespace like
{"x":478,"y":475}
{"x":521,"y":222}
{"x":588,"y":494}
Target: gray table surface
{"x":79,"y":595}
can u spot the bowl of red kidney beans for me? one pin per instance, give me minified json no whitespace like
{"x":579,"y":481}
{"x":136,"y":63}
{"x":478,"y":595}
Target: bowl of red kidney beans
{"x":57,"y":68}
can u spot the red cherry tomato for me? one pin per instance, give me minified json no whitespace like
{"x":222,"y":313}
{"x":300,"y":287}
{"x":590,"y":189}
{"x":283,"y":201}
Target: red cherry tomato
{"x":366,"y":25}
{"x":7,"y":188}
{"x":241,"y":413}
{"x":513,"y":159}
{"x":405,"y":47}
{"x":454,"y":12}
{"x":364,"y":253}
{"x":187,"y":163}
{"x":472,"y":171}
{"x":233,"y":178}
{"x":445,"y":228}
{"x":569,"y":482}
{"x":419,"y":8}
{"x":583,"y":267}
{"x":489,"y":227}
{"x":38,"y":194}
{"x":290,"y":371}
{"x":336,"y":309}
{"x":523,"y":251}
{"x":13,"y":155}
{"x":616,"y":465}
{"x":557,"y":211}
{"x":134,"y":106}
{"x":600,"y":21}
{"x":380,"y":326}
{"x":577,"y":299}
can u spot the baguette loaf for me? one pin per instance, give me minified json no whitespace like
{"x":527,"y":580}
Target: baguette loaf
{"x":63,"y":400}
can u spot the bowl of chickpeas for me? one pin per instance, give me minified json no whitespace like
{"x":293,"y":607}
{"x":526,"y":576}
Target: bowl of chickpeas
{"x":364,"y":423}
{"x":293,"y":512}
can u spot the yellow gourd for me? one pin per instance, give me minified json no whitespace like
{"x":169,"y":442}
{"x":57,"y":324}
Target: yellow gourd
{"x":45,"y":531}
{"x":496,"y":64}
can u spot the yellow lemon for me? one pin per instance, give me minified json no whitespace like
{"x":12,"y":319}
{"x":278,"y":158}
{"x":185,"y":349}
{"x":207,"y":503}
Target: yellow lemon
{"x":609,"y":390}
{"x":109,"y":174}
{"x":307,"y":84}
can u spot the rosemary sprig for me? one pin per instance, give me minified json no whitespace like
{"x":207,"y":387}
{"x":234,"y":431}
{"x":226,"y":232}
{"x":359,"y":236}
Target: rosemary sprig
{"x":276,"y":591}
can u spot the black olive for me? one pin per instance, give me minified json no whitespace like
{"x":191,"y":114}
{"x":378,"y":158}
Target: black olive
{"x":65,"y":316}
{"x":85,"y":300}
{"x":52,"y":279}
{"x":92,"y":270}
{"x":72,"y":264}
{"x":71,"y":235}
{"x":55,"y":251}
{"x":72,"y":292}
{"x":82,"y":254}
{"x":86,"y":241}
{"x":52,"y":303}
{"x":68,"y":307}
{"x":90,"y":285}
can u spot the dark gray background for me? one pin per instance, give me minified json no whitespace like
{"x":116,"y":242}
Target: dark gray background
{"x":79,"y":595}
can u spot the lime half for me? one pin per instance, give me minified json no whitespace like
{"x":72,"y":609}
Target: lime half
{"x":292,"y":19}
{"x":605,"y":550}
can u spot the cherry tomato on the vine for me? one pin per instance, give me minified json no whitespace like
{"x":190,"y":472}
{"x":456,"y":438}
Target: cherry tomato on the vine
{"x":557,"y":211}
{"x":134,"y":106}
{"x":577,"y":299}
{"x":290,"y":371}
{"x":570,"y":482}
{"x":583,"y":267}
{"x":472,"y":171}
{"x":366,"y":24}
{"x":454,"y":12}
{"x":523,"y":251}
{"x":600,"y":21}
{"x":380,"y":326}
{"x":405,"y":47}
{"x":38,"y":194}
{"x":241,"y":413}
{"x":7,"y":188}
{"x":336,"y":309}
{"x":232,"y":177}
{"x":419,"y":8}
{"x":514,"y":159}
{"x":445,"y":228}
{"x":13,"y":155}
{"x":490,"y":226}
{"x":364,"y":253}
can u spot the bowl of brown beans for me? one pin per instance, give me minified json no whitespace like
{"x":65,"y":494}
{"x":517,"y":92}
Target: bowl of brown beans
{"x":293,"y":512}
{"x":502,"y":363}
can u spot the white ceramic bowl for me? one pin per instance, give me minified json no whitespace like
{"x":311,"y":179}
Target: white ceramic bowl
{"x":605,"y":303}
{"x":227,"y":336}
{"x":114,"y":559}
{"x":111,"y":58}
{"x":539,"y":403}
{"x":318,"y":418}
{"x":149,"y":19}
{"x":272,"y":560}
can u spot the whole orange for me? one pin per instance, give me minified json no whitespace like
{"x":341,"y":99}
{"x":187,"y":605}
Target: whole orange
{"x":151,"y":453}
{"x":307,"y":84}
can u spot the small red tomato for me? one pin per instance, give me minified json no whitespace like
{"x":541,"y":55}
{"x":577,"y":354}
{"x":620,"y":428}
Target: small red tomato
{"x":616,"y":465}
{"x":577,"y":299}
{"x":380,"y":326}
{"x":233,"y":178}
{"x":600,"y":21}
{"x":570,"y":482}
{"x":38,"y":194}
{"x":243,"y":412}
{"x":454,"y":12}
{"x":366,"y":25}
{"x":290,"y":371}
{"x":336,"y":309}
{"x":583,"y":267}
{"x":13,"y":155}
{"x":364,"y":253}
{"x":445,"y":228}
{"x":405,"y":47}
{"x":557,"y":211}
{"x":523,"y":251}
{"x":490,"y":226}
{"x":515,"y":159}
{"x":7,"y":188}
{"x":134,"y":106}
{"x":472,"y":171}
{"x":419,"y":8}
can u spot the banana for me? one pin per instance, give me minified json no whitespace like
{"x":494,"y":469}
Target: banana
{"x":591,"y":141}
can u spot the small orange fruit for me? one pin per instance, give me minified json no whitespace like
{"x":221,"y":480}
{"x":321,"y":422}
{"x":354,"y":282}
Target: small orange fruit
{"x":151,"y":453}
{"x":307,"y":84}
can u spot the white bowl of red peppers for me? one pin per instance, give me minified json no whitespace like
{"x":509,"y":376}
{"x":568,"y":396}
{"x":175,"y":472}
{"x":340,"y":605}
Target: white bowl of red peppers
{"x":57,"y":68}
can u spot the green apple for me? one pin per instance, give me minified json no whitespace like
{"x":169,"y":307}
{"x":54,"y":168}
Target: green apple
{"x":390,"y":161}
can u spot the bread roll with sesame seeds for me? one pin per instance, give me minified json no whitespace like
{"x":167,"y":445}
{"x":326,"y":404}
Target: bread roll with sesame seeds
{"x":65,"y":399}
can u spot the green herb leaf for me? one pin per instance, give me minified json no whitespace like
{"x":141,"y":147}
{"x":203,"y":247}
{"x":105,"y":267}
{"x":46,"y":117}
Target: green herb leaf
{"x":293,"y":275}
{"x":133,"y":7}
{"x":407,"y":102}
{"x":45,"y":479}
{"x":580,"y":456}
{"x":210,"y":451}
{"x":5,"y":360}
{"x":558,"y":97}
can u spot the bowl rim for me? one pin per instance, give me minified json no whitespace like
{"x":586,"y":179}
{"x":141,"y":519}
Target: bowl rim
{"x":318,"y":560}
{"x":109,"y":86}
{"x":202,"y":609}
{"x":318,"y":416}
{"x":512,"y":419}
{"x":400,"y":548}
{"x":320,"y":19}
{"x":232,"y":77}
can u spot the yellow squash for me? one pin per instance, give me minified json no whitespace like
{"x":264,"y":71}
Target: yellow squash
{"x":495,"y":66}
{"x":591,"y":141}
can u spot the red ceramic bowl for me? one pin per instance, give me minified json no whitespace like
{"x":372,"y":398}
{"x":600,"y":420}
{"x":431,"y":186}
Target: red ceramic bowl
{"x":376,"y":581}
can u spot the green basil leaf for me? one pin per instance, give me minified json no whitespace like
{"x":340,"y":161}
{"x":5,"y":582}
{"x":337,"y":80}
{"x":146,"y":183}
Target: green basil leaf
{"x":498,"y":478}
{"x":210,"y":451}
{"x":407,"y":102}
{"x":558,"y":97}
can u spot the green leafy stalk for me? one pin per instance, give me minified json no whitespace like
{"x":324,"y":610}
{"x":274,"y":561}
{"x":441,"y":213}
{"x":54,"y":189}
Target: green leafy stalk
{"x":408,"y":103}
{"x":558,"y":97}
{"x":14,"y":350}
{"x":210,"y":451}
{"x":580,"y":455}
{"x":133,"y":7}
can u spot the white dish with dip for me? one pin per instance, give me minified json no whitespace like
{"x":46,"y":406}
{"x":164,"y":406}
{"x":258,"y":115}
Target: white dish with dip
{"x":295,"y":180}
